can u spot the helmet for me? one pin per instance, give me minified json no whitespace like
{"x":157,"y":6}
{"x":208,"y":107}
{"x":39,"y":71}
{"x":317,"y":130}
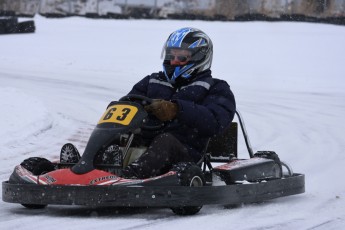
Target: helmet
{"x":201,"y":52}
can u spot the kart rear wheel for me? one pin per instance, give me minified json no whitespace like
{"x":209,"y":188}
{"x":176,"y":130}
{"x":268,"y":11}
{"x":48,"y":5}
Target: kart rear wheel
{"x":189,"y":175}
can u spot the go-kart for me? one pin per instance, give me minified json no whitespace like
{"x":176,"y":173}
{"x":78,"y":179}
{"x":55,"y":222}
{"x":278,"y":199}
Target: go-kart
{"x":95,"y":178}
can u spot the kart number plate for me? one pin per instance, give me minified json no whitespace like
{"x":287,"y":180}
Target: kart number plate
{"x":121,"y":114}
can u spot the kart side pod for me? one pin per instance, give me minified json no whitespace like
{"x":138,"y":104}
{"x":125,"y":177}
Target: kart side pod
{"x":251,"y":170}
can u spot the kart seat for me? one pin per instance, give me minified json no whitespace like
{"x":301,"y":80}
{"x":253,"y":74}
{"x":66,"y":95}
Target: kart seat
{"x":223,"y":146}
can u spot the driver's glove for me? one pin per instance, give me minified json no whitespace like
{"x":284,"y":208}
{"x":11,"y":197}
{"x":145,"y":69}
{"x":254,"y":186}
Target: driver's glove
{"x":162,"y":109}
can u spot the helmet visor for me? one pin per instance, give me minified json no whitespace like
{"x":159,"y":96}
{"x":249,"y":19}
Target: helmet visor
{"x":182,"y":54}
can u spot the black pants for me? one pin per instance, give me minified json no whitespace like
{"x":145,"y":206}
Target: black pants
{"x":164,"y":151}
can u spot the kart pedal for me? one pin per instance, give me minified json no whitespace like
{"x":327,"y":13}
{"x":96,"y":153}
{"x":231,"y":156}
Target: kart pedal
{"x":69,"y":154}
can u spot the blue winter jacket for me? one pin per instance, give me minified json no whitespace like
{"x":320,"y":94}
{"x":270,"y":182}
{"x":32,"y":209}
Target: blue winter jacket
{"x":206,"y":107}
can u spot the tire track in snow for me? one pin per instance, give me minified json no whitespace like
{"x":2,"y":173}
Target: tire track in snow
{"x":336,"y":223}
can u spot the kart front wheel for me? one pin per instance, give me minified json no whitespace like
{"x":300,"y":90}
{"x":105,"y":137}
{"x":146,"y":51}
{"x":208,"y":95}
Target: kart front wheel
{"x":38,"y":165}
{"x":34,"y":206}
{"x":189,"y":175}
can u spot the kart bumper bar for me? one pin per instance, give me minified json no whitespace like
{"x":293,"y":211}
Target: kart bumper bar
{"x":152,"y":196}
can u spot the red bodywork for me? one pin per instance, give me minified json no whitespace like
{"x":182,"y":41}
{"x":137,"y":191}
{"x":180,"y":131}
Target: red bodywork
{"x":94,"y":177}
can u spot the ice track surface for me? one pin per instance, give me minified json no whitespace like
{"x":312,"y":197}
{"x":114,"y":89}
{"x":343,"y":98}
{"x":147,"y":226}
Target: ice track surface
{"x":288,"y":79}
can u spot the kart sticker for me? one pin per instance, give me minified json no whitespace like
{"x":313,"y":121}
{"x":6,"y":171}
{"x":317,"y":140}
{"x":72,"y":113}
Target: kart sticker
{"x":121,"y":114}
{"x":105,"y":179}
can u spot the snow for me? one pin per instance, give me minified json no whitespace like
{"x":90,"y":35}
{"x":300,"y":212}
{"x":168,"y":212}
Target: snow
{"x":288,"y":79}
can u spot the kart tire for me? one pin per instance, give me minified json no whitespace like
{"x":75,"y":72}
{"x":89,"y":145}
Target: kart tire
{"x":2,"y":28}
{"x":189,"y":174}
{"x":8,"y":25}
{"x":34,"y":206}
{"x":38,"y":165}
{"x":273,"y":156}
{"x":26,"y":27}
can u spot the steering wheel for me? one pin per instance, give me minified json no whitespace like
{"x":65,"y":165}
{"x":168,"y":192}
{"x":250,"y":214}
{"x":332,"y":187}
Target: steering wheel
{"x":143,"y":100}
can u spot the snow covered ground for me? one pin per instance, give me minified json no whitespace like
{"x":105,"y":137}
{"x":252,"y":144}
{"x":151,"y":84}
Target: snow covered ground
{"x":288,"y":79}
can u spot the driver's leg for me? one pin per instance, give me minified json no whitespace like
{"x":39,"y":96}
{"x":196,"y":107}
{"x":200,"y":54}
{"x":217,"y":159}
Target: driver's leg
{"x":164,"y":151}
